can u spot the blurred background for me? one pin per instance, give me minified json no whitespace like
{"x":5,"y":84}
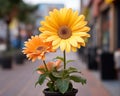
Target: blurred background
{"x":99,"y":60}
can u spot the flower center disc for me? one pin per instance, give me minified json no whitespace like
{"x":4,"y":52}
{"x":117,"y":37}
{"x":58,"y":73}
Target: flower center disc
{"x":41,"y":48}
{"x":64,"y":32}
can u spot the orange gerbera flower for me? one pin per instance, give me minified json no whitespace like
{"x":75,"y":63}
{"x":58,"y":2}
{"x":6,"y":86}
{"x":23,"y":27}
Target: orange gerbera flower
{"x":50,"y":66}
{"x":35,"y":48}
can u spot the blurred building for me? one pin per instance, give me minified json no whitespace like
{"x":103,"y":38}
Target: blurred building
{"x":104,"y":20}
{"x":103,"y":16}
{"x":43,"y":10}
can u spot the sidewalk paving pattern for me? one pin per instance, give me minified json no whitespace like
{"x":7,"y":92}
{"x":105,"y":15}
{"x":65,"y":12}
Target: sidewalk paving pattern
{"x":21,"y":79}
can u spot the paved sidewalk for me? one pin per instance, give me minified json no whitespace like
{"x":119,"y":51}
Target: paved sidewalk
{"x":113,"y":86}
{"x":21,"y":79}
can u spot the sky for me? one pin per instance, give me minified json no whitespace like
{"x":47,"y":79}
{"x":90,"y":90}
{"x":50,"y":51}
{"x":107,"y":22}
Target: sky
{"x":75,"y":4}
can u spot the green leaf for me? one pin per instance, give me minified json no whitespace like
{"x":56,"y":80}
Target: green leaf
{"x":70,"y":87}
{"x":60,"y":74}
{"x":65,"y":73}
{"x":78,"y":79}
{"x":62,"y":85}
{"x":72,"y":70}
{"x":52,"y":78}
{"x":57,"y":74}
{"x":42,"y":78}
{"x":50,"y":86}
{"x":58,"y":57}
{"x":36,"y":83}
{"x":68,"y":61}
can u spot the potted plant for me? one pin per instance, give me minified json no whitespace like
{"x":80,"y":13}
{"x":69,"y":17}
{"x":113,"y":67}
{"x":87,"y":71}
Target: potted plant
{"x":64,"y":28}
{"x":6,"y":59}
{"x":19,"y":57}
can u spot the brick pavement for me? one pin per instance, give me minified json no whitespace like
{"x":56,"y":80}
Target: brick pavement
{"x":20,"y":80}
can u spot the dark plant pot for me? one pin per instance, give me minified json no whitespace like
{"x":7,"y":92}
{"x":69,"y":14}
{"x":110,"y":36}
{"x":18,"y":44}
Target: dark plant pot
{"x":0,"y":61}
{"x":19,"y":59}
{"x":6,"y":62}
{"x":92,"y":63}
{"x":69,"y":93}
{"x":108,"y":71}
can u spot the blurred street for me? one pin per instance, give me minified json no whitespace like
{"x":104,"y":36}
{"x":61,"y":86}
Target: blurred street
{"x":21,"y":79}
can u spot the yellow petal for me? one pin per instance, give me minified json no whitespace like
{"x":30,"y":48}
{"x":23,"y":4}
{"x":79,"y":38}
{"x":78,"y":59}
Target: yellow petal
{"x":48,"y":26}
{"x":83,"y":44}
{"x":73,"y":19}
{"x":51,"y":22}
{"x":79,"y":19}
{"x":41,"y":29}
{"x":56,"y":46}
{"x":73,"y":42}
{"x":56,"y":14}
{"x":79,"y":25}
{"x":50,"y":33}
{"x":84,"y":29}
{"x":74,"y":49}
{"x":79,"y":45}
{"x":51,"y":38}
{"x":63,"y":13}
{"x":55,"y":42}
{"x":43,"y":35}
{"x":68,"y":47}
{"x":68,"y":16}
{"x":62,"y":45}
{"x":53,"y":18}
{"x":79,"y":39}
{"x":81,"y":34}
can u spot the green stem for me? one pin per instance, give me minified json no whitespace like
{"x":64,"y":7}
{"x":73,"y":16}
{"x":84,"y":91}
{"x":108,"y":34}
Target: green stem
{"x":45,"y":65}
{"x":64,"y":59}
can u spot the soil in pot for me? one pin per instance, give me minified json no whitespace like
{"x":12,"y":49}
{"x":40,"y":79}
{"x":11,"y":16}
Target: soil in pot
{"x":69,"y":93}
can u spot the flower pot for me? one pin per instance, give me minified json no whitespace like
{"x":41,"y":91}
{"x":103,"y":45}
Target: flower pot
{"x":68,"y":93}
{"x":6,"y":62}
{"x":19,"y":59}
{"x":0,"y":61}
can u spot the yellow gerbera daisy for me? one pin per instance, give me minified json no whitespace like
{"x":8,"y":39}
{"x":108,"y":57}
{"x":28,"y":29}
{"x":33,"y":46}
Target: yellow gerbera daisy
{"x":36,"y":48}
{"x":65,"y":28}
